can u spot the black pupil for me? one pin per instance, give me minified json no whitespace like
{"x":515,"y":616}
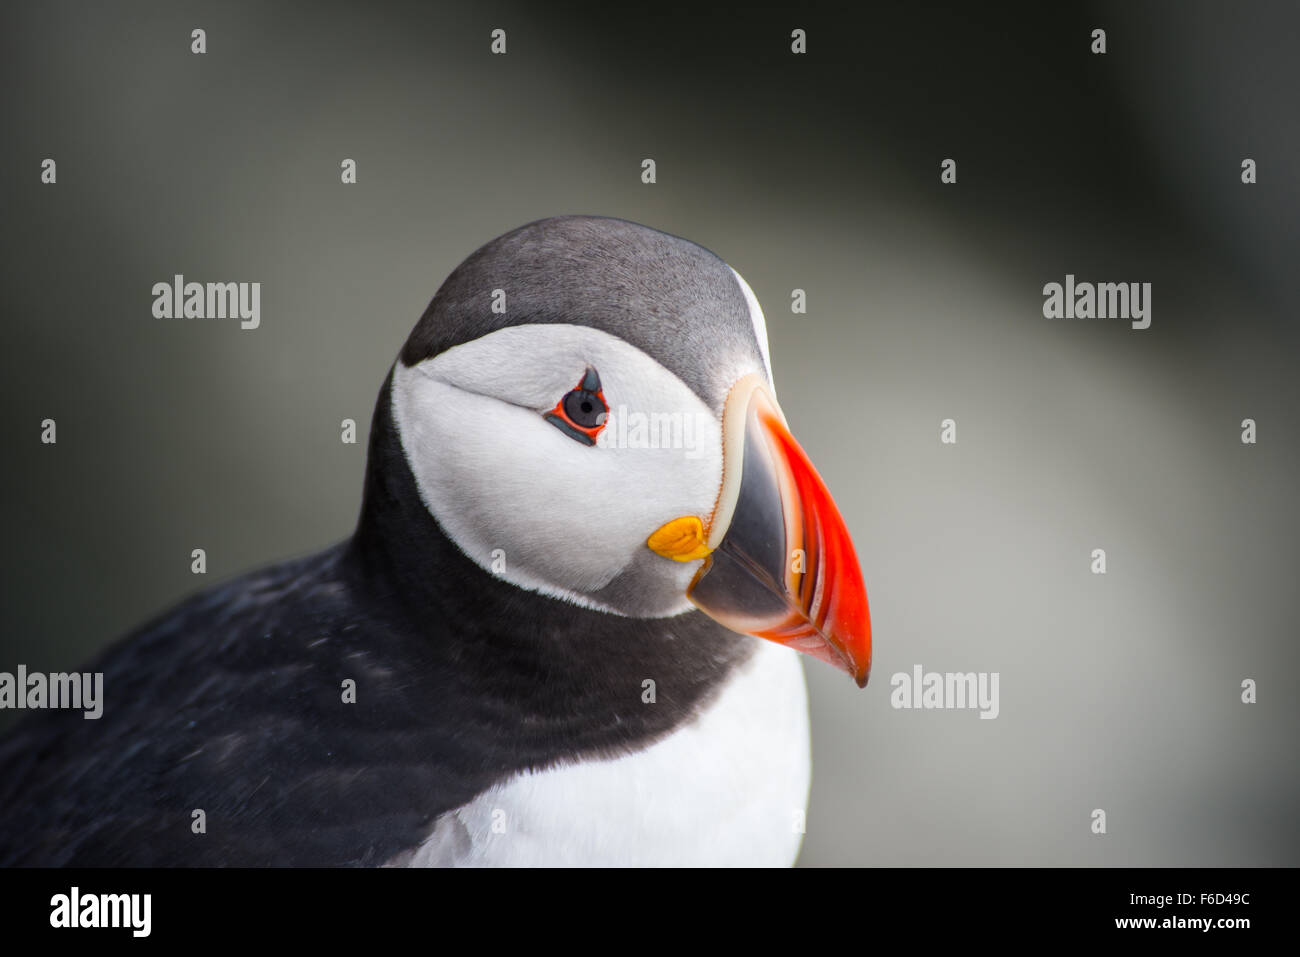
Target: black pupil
{"x":583,"y":408}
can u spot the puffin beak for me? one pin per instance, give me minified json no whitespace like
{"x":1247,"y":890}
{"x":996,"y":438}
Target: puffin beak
{"x":778,"y":560}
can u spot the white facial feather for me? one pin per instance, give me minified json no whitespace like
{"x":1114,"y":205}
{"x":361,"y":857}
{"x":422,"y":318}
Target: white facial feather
{"x":760,"y":325}
{"x":531,"y":504}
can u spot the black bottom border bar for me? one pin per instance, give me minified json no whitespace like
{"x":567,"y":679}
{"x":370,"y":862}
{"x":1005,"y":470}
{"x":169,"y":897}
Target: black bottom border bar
{"x":331,"y":907}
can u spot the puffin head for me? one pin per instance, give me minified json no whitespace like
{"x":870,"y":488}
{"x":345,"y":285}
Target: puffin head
{"x":587,"y":410}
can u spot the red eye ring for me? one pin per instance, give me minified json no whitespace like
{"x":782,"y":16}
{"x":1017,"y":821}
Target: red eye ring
{"x":582,"y":412}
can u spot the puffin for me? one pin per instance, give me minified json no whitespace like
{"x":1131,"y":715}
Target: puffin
{"x":566,"y":630}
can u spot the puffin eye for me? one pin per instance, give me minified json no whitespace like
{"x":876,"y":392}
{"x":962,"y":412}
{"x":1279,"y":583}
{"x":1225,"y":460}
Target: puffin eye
{"x":581,"y":413}
{"x":584,"y":409}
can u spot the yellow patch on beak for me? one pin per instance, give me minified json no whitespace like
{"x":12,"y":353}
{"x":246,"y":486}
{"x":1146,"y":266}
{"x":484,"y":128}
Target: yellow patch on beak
{"x":682,"y":540}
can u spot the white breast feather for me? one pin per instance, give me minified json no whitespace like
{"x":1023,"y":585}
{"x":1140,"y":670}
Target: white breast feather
{"x":729,"y":789}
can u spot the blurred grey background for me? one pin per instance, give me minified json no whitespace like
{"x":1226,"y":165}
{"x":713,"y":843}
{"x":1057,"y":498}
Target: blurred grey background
{"x":819,"y":172}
